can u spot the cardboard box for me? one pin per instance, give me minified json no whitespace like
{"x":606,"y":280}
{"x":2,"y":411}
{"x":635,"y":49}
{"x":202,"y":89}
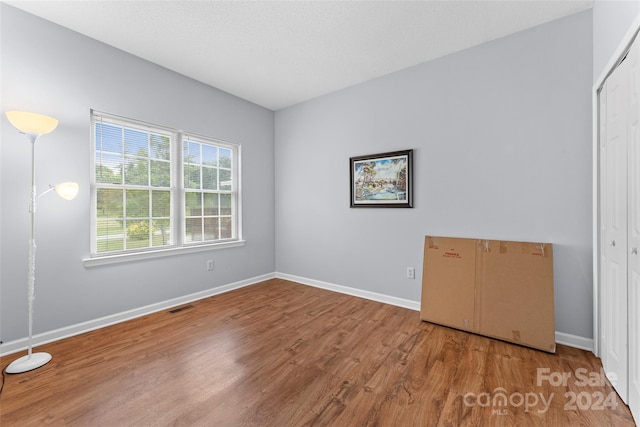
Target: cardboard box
{"x":501,"y":289}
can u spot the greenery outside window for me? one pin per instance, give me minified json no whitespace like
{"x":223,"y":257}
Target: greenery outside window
{"x":156,"y":188}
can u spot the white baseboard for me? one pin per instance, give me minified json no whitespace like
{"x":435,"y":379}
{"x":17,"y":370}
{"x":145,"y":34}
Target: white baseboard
{"x":574,"y":341}
{"x":400,"y":302}
{"x":561,"y":337}
{"x":80,"y":328}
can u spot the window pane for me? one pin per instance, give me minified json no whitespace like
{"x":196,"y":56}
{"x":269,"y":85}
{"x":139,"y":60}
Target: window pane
{"x":209,"y":178}
{"x":225,"y":158}
{"x":193,"y":230}
{"x":138,"y":204}
{"x":209,"y":155}
{"x":160,"y":147}
{"x":225,"y":204}
{"x":160,"y":204}
{"x":226,"y":230}
{"x":108,"y":138}
{"x":109,"y":203}
{"x":136,"y":142}
{"x":191,"y":152}
{"x":225,"y":180}
{"x":211,"y":228}
{"x":191,"y":176}
{"x":108,"y":168}
{"x":110,"y":235}
{"x":137,"y":234}
{"x":136,"y":171}
{"x":160,"y":173}
{"x":211,"y":204}
{"x":193,"y":202}
{"x":161,"y":232}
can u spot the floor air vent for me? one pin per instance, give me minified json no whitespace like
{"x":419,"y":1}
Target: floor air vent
{"x":179,"y":309}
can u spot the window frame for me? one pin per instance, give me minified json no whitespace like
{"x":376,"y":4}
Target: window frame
{"x":180,"y":243}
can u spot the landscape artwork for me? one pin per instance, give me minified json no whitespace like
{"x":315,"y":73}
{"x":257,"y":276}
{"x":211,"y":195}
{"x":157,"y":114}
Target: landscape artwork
{"x":382,"y":180}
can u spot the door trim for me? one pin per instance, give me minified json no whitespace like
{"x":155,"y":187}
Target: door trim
{"x":616,"y":58}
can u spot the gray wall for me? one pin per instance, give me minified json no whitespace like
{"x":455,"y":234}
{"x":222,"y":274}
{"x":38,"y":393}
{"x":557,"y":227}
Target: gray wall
{"x":54,"y":71}
{"x":611,"y":20}
{"x":502,"y":140}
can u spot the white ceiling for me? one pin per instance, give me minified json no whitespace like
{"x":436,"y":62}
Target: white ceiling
{"x":279,"y":53}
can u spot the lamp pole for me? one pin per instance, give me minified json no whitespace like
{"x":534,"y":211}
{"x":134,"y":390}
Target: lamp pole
{"x":31,"y":277}
{"x":31,"y":360}
{"x":34,"y":125}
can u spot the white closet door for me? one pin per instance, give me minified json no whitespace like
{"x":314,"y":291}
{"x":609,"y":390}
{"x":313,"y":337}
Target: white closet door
{"x":633,"y":164}
{"x":613,"y":169}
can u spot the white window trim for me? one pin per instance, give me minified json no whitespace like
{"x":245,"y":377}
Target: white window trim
{"x":100,"y":260}
{"x":180,"y":247}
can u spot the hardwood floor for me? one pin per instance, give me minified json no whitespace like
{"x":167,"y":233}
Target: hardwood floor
{"x":284,"y":354}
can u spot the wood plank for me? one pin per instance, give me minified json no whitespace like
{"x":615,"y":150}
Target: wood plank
{"x":283,"y":354}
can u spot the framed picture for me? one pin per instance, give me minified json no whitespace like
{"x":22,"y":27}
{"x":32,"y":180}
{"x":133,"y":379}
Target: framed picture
{"x":382,"y":180}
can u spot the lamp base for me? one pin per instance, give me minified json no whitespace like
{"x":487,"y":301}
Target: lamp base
{"x":28,"y":363}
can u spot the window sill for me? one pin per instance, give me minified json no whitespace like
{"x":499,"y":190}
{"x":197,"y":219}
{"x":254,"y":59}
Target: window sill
{"x":98,"y":261}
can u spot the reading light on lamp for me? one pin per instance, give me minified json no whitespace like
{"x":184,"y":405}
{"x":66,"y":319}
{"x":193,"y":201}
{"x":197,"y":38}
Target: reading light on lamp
{"x":67,"y":190}
{"x":33,"y":126}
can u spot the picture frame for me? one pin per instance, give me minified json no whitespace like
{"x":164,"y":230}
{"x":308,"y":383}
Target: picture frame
{"x":383,"y":180}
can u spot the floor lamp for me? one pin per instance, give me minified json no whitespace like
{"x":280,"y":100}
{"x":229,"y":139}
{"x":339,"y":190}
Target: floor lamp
{"x":33,"y":126}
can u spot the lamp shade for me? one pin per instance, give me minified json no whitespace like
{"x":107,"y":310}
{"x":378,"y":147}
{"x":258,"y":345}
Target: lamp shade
{"x":67,"y":190}
{"x":32,"y":122}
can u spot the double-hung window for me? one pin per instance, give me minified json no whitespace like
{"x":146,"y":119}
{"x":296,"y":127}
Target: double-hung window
{"x":208,"y":191}
{"x":156,"y":189}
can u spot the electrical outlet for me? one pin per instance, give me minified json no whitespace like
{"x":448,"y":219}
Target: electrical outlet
{"x":411,"y":273}
{"x":210,"y":265}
